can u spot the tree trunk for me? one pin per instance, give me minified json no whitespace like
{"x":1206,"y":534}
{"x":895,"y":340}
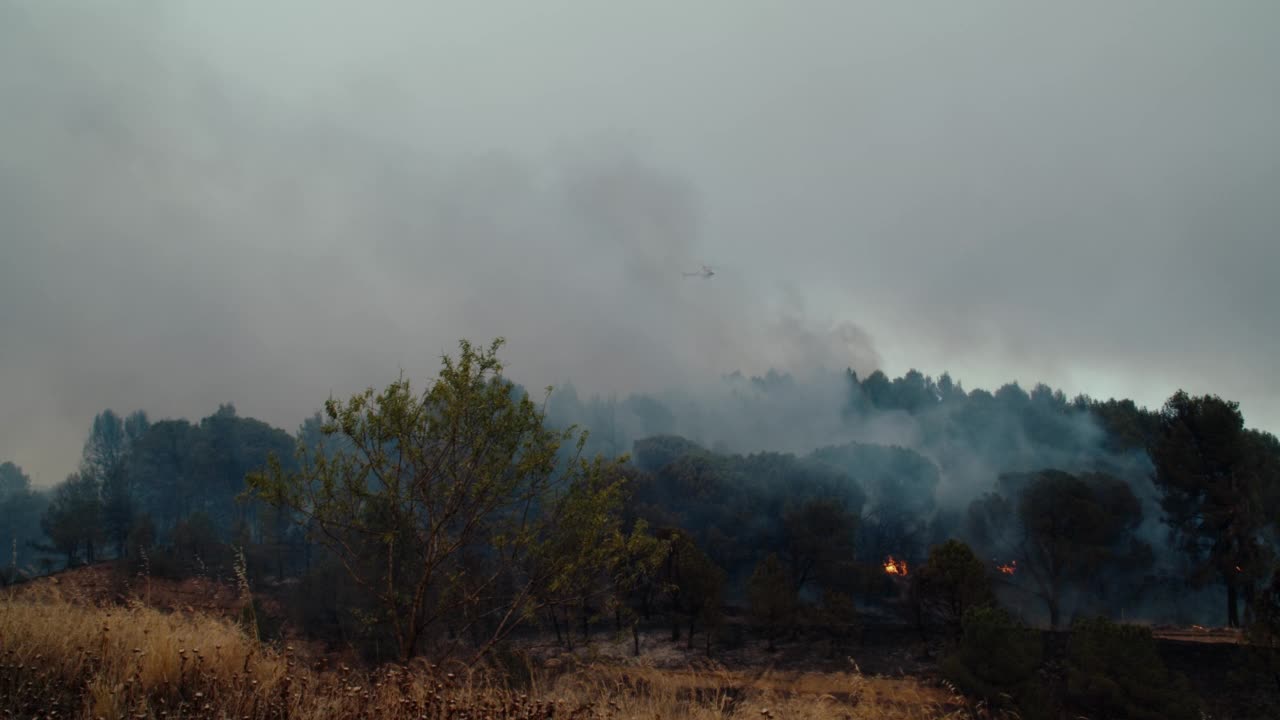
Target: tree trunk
{"x":409,"y":645}
{"x":692,"y":617}
{"x":568,"y":629}
{"x":555,"y":622}
{"x":1055,"y":613}
{"x":586,"y":630}
{"x":1233,"y":609}
{"x":675,"y":615}
{"x":635,"y":638}
{"x":617,"y":618}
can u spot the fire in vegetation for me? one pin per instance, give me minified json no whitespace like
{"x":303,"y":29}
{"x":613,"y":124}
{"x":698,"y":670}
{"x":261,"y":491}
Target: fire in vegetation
{"x":895,"y":567}
{"x":1008,"y":568}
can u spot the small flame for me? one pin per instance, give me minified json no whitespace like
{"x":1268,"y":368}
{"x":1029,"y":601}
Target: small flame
{"x":1009,"y":568}
{"x":1238,"y":569}
{"x":895,"y":567}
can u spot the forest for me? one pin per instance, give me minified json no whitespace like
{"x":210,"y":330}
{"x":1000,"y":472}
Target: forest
{"x":457,"y":519}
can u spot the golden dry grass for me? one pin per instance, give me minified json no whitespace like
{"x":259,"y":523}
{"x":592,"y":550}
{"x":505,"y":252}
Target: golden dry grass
{"x":65,"y":660}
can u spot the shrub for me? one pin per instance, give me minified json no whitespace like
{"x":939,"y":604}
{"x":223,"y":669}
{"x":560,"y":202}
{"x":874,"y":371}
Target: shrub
{"x":1114,"y":671}
{"x":950,"y":582}
{"x":997,"y":660}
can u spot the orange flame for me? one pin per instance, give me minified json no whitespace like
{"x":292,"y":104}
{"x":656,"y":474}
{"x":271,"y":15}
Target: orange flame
{"x":895,"y":567}
{"x":1009,"y":568}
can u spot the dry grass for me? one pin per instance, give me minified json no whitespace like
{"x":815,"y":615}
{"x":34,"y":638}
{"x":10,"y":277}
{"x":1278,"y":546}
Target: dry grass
{"x":64,"y":660}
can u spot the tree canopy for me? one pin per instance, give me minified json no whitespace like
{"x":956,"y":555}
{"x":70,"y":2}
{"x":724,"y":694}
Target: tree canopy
{"x":443,"y":500}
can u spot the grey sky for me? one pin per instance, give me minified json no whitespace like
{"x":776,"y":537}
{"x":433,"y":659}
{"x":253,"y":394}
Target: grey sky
{"x":265,"y":202}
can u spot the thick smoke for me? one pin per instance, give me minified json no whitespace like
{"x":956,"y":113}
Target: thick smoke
{"x":166,"y":250}
{"x":206,"y":203}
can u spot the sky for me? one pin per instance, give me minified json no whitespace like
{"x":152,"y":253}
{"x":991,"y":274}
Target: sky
{"x":266,"y":203}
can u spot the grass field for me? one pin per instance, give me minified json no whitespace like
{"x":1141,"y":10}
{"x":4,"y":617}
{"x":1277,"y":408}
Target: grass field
{"x":70,"y":660}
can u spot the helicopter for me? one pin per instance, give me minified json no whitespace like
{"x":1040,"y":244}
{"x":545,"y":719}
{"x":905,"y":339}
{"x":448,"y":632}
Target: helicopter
{"x":705,"y":272}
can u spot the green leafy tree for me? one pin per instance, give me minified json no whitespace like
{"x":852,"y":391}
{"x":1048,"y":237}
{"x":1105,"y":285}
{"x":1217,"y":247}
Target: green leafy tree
{"x":698,"y":584}
{"x":772,"y":598}
{"x":164,"y":471}
{"x":952,"y":581}
{"x":73,"y":519}
{"x":900,"y":486}
{"x":1215,"y":477}
{"x":577,"y":551}
{"x":440,"y":504}
{"x":1063,"y":530}
{"x":20,"y":511}
{"x":105,"y":457}
{"x":13,"y":480}
{"x":635,"y":561}
{"x":1074,"y":527}
{"x":819,"y":536}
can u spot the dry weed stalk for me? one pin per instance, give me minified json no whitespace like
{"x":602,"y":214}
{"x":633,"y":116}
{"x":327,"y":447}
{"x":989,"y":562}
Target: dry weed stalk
{"x":62,"y":660}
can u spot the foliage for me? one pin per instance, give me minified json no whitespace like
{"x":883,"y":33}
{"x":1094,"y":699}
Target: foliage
{"x":741,"y":508}
{"x":105,"y":458}
{"x":838,"y":617}
{"x":900,"y":486}
{"x":1263,"y":633}
{"x":444,"y":504}
{"x":635,"y":559}
{"x":997,"y":661}
{"x":1064,"y":530}
{"x":1215,"y":476}
{"x":1115,"y":671}
{"x":952,"y":581}
{"x":695,"y":583}
{"x":197,"y":549}
{"x":818,"y":538}
{"x":13,"y":481}
{"x":72,"y":520}
{"x":771,"y":597}
{"x":21,"y":509}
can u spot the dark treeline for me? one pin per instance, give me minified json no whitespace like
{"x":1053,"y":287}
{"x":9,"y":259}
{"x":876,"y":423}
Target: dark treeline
{"x":141,"y":484}
{"x":913,"y":496}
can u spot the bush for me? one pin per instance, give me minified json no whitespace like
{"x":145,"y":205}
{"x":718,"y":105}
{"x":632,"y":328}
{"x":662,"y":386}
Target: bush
{"x":1262,"y":631}
{"x":950,"y":582}
{"x":997,"y":660}
{"x":1114,"y":671}
{"x":197,"y":549}
{"x":839,"y":616}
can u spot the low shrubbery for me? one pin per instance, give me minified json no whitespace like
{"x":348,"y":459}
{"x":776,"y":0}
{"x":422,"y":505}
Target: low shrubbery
{"x":1114,"y":671}
{"x":71,"y":661}
{"x":997,"y":660}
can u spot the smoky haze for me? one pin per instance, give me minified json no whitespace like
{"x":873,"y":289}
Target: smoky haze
{"x":202,"y":203}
